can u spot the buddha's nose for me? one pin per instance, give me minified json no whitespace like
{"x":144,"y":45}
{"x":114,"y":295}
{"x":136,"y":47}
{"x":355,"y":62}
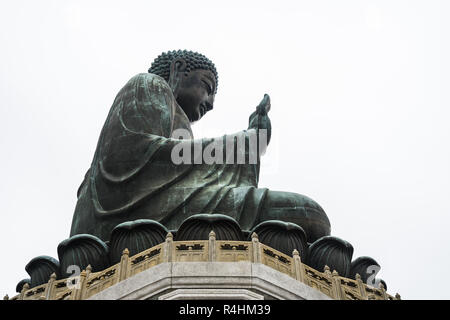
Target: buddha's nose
{"x":208,"y":106}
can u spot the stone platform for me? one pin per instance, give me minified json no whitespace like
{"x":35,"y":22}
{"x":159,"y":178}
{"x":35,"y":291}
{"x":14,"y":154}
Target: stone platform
{"x":210,"y":280}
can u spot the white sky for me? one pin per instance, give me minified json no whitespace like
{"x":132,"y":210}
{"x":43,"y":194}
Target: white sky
{"x":360,"y":113}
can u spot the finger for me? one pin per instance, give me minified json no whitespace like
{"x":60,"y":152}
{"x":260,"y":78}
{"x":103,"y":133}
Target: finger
{"x":266,"y":102}
{"x":265,"y":99}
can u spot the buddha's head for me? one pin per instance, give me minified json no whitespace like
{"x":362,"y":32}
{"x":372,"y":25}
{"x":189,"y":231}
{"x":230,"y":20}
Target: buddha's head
{"x":192,"y":78}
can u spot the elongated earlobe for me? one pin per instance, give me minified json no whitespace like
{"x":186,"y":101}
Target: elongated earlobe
{"x":177,"y":70}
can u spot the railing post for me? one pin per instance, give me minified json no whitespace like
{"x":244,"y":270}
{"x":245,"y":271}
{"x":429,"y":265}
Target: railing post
{"x":299,"y":269}
{"x":361,"y":287}
{"x":327,"y":273}
{"x":337,"y":285}
{"x":212,"y":246}
{"x":25,"y":287}
{"x":49,"y":289}
{"x":123,"y":265}
{"x":168,"y":248}
{"x":256,"y":254}
{"x":383,"y":292}
{"x":398,"y":297}
{"x":6,"y":297}
{"x":80,"y":292}
{"x":77,"y":293}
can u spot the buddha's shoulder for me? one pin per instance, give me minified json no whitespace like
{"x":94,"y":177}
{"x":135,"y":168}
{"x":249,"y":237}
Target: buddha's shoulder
{"x":150,"y":79}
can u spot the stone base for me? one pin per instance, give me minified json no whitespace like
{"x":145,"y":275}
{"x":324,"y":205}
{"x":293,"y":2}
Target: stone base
{"x":210,"y":280}
{"x":211,"y":294}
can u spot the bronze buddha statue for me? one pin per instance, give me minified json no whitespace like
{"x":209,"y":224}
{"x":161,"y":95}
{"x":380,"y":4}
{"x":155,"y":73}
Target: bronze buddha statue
{"x":133,"y":176}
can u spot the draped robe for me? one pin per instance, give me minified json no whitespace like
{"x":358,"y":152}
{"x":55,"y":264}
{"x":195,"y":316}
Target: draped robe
{"x":132,"y":175}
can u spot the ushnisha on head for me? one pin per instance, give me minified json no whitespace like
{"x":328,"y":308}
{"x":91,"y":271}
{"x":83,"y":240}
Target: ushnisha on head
{"x":192,"y":77}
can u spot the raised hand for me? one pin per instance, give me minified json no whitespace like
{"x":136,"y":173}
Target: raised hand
{"x":259,"y":119}
{"x":264,"y":106}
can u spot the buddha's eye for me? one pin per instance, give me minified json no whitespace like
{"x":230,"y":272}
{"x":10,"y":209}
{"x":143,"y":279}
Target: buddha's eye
{"x":207,"y":86}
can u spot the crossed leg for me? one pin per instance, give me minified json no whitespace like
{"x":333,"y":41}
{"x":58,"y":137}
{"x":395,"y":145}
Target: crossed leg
{"x":298,"y":209}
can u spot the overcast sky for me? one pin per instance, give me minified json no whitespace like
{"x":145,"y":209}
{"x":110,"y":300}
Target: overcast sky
{"x":360,"y":113}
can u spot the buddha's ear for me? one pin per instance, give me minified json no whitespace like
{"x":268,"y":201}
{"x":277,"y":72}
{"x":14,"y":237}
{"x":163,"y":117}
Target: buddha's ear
{"x":178,"y":65}
{"x":177,"y":69}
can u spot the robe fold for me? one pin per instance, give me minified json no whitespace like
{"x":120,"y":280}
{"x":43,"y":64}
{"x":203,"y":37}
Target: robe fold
{"x":132,"y":175}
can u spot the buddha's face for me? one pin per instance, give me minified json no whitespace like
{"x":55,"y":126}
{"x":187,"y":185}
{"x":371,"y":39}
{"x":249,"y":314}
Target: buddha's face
{"x":195,"y":93}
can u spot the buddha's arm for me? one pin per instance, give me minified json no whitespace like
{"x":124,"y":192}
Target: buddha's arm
{"x":147,"y":118}
{"x":244,"y":147}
